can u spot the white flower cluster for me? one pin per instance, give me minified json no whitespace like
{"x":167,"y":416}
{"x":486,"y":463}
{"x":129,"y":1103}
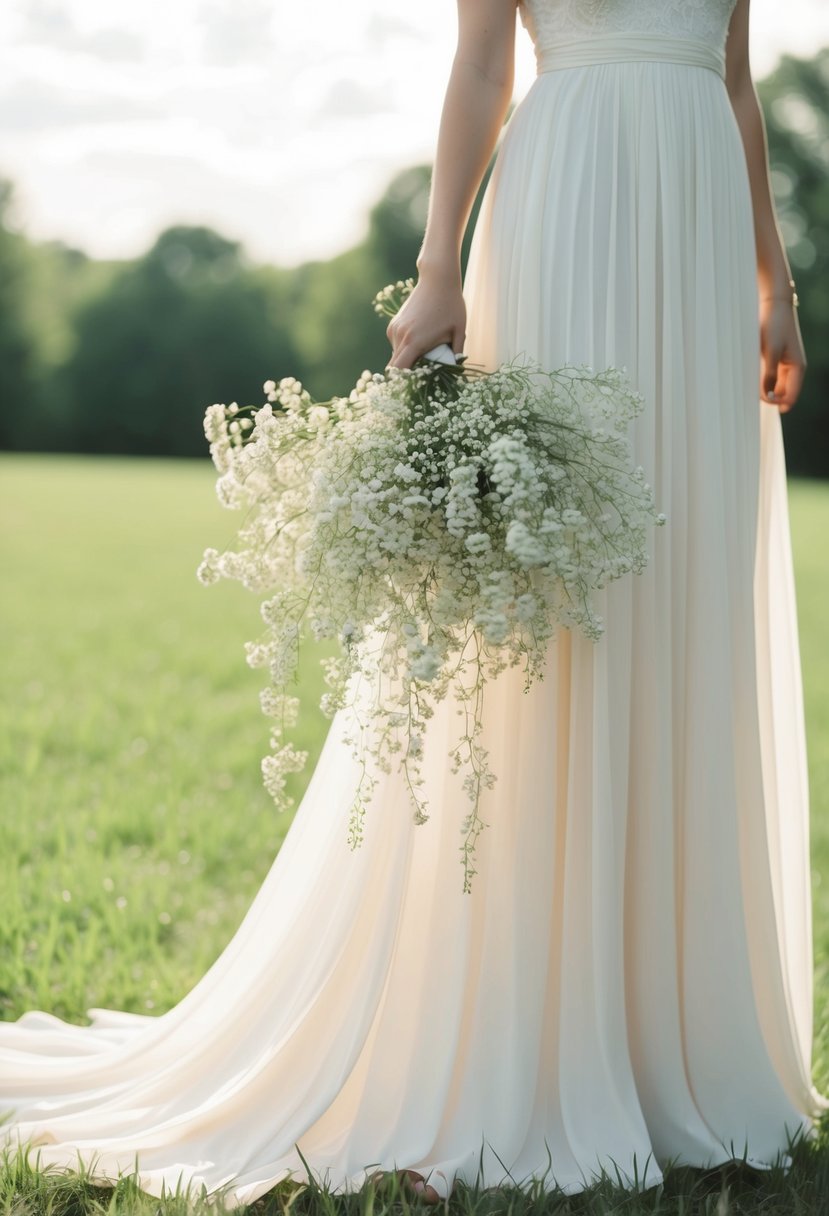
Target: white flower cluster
{"x":459,"y":515}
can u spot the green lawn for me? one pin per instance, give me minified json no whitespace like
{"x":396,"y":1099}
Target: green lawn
{"x":135,"y":827}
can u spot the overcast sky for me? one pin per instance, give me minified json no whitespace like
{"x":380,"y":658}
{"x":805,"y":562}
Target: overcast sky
{"x":277,"y":123}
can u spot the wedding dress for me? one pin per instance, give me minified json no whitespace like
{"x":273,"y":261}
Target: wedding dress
{"x":629,"y":982}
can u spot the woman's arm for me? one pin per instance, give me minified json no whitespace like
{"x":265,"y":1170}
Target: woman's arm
{"x":477,"y":97}
{"x":783,"y":357}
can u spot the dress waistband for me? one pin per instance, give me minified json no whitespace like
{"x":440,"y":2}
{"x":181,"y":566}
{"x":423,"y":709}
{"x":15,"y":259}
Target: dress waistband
{"x":630,"y":47}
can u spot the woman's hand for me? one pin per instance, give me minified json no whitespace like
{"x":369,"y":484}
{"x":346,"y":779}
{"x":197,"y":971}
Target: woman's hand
{"x":435,"y":312}
{"x":782,"y":355}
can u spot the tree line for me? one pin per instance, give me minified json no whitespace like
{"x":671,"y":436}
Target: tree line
{"x":123,"y":357}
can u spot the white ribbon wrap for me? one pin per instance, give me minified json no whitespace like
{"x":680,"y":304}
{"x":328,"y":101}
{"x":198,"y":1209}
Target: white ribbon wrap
{"x":441,"y":354}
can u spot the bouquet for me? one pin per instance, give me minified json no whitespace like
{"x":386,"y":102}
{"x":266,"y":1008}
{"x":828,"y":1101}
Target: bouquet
{"x":440,"y":522}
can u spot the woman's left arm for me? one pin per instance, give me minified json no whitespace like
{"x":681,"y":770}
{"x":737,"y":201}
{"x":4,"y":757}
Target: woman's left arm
{"x":783,"y":357}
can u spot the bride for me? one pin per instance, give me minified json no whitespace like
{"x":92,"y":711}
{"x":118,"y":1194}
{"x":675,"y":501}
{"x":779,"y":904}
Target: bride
{"x":629,"y":983}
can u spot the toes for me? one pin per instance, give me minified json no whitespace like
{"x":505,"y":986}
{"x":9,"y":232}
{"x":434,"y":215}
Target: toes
{"x":426,"y":1191}
{"x":423,"y":1189}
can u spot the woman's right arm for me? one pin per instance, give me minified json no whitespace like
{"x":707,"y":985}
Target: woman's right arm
{"x":477,"y":97}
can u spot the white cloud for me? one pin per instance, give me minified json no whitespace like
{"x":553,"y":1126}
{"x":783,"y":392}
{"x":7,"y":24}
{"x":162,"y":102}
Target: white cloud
{"x":37,"y":105}
{"x":234,"y":32}
{"x":382,"y":28}
{"x":348,"y":98}
{"x":46,"y":21}
{"x":50,"y":23}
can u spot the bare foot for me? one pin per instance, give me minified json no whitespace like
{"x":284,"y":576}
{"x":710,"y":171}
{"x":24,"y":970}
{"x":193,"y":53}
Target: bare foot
{"x":419,"y":1185}
{"x":412,"y":1179}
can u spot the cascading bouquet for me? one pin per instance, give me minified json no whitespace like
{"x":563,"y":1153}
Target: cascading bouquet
{"x":454,"y":514}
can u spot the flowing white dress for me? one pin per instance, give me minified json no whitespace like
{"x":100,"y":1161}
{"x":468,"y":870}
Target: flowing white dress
{"x":629,"y":983}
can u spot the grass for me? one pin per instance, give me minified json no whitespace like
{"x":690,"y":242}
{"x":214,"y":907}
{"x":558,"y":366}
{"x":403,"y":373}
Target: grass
{"x":123,"y":675}
{"x":129,"y":860}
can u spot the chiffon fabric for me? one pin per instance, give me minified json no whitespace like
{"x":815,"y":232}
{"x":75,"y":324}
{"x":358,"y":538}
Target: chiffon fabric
{"x":629,"y":982}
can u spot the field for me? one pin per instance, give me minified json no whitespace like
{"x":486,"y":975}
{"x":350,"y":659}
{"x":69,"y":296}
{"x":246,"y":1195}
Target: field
{"x":135,"y":828}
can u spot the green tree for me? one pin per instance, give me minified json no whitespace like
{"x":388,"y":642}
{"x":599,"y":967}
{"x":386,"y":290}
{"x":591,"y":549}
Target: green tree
{"x":797,"y":122}
{"x":336,"y":328}
{"x":18,"y":353}
{"x":188,"y":324}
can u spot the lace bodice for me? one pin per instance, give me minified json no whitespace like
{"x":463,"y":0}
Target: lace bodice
{"x":548,"y":21}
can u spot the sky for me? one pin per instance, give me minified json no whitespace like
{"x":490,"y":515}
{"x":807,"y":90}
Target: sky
{"x":277,"y":123}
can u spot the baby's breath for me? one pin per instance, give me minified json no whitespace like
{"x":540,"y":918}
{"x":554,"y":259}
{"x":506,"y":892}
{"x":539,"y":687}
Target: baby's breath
{"x":456,"y":518}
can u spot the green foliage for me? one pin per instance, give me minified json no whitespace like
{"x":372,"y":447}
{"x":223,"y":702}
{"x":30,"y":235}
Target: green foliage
{"x":128,"y":355}
{"x":124,"y":357}
{"x":337,"y":331}
{"x":797,"y":122}
{"x":62,"y":281}
{"x":185,"y":325}
{"x":17,"y":344}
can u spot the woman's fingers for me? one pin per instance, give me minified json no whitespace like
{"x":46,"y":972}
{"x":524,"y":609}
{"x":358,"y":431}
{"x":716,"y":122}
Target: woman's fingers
{"x":787,"y":388}
{"x":772,"y":380}
{"x":794,"y":381}
{"x":782,"y":382}
{"x":783,"y":360}
{"x":407,"y":346}
{"x":434,"y":313}
{"x":405,"y":355}
{"x":769,"y":377}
